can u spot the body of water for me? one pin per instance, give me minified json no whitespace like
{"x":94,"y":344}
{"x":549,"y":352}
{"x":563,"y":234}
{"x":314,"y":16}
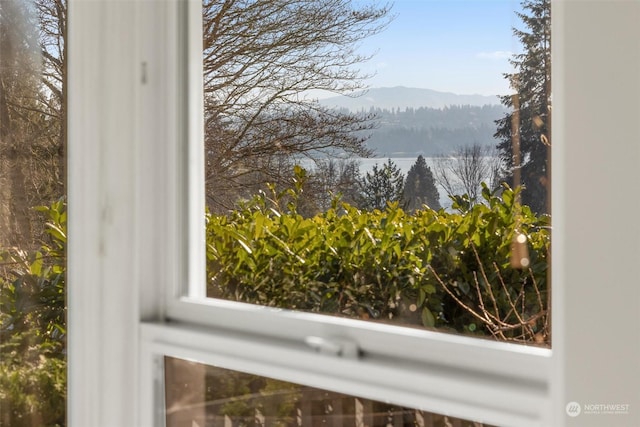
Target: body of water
{"x":403,"y":163}
{"x":367,"y":164}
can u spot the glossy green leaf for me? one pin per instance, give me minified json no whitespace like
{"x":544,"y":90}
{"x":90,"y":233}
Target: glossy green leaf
{"x":428,"y":319}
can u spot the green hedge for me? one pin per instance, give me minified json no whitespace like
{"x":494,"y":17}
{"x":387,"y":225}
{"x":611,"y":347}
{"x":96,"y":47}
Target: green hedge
{"x":447,"y":270}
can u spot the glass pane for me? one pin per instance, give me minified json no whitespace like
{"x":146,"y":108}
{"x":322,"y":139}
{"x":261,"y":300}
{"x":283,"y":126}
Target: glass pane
{"x":205,"y":396}
{"x":423,"y":201}
{"x":32,"y":213}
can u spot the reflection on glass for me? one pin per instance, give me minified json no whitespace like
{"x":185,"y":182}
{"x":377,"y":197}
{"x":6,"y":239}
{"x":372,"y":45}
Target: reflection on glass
{"x":206,"y":396}
{"x":414,"y":206}
{"x":32,"y":213}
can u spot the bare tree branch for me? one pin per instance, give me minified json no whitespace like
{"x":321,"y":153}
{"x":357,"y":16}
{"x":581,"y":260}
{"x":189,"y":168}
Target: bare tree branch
{"x":261,"y":58}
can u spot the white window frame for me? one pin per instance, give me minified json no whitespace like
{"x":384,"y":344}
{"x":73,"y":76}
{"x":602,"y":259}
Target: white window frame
{"x":134,"y":180}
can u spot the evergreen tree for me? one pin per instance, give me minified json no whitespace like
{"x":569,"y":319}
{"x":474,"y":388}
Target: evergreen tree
{"x":531,"y":106}
{"x":420,"y":188}
{"x":382,"y":185}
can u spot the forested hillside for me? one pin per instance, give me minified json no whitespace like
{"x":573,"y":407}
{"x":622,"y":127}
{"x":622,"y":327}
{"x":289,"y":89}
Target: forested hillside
{"x":432,"y":131}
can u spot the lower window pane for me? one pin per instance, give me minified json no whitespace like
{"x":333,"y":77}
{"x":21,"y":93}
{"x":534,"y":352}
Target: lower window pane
{"x":198,"y":395}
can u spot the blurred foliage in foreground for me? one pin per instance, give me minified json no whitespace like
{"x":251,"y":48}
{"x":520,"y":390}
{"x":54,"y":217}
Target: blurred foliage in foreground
{"x":33,"y":329}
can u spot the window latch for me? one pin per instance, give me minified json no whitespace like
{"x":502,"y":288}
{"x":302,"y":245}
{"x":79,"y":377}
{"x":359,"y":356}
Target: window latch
{"x":340,"y":347}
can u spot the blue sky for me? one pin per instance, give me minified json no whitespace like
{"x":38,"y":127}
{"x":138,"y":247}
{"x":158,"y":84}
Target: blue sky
{"x":459,"y":46}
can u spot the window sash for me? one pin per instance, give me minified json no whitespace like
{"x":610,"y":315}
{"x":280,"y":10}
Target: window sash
{"x":456,"y":389}
{"x":526,"y":366}
{"x":526,"y":369}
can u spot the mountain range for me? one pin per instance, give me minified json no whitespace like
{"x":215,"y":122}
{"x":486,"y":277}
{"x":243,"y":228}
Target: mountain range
{"x":405,"y":97}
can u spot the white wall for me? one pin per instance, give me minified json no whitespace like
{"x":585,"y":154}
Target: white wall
{"x":596,"y":208}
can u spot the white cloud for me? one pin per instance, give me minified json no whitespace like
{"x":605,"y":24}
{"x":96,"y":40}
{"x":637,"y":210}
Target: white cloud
{"x":497,"y":54}
{"x":382,"y":65}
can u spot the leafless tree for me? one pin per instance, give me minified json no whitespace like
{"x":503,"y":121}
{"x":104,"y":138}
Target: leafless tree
{"x":466,"y":169}
{"x":330,"y":179}
{"x":52,"y":20}
{"x":32,"y":116}
{"x":262,"y":59}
